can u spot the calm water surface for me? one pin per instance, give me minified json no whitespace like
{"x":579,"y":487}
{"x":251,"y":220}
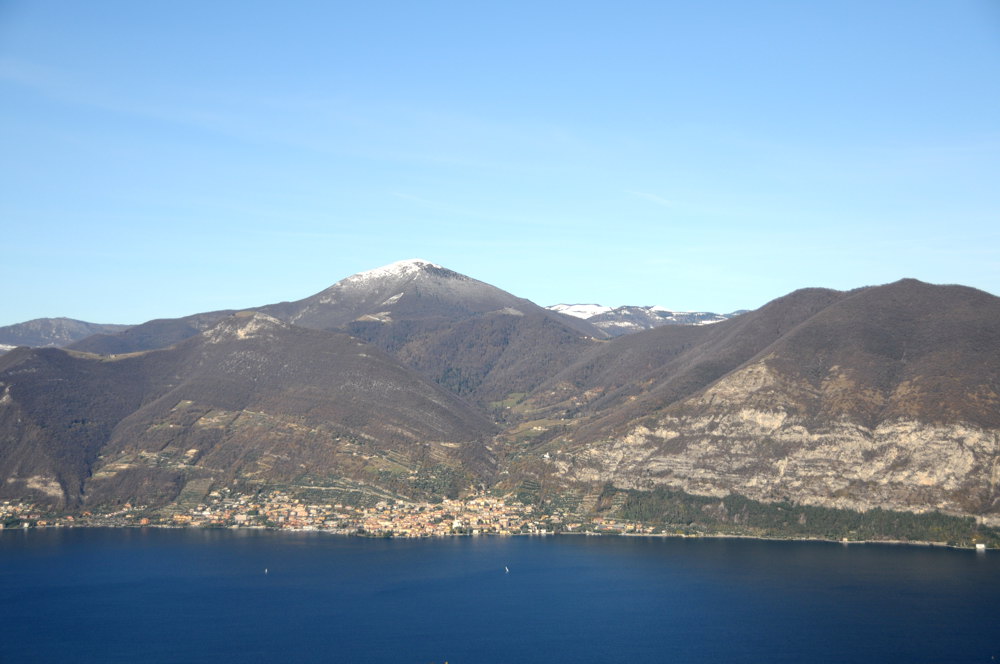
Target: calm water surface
{"x":84,"y":595}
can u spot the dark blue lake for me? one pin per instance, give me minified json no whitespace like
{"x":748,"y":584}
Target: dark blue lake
{"x":83,"y":595}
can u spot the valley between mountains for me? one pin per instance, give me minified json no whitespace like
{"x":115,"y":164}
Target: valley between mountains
{"x":412,"y":383}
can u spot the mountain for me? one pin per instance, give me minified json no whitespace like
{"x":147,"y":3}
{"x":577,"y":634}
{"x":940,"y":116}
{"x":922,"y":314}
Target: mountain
{"x":881,"y":397}
{"x":414,"y":290}
{"x":251,"y":400}
{"x":644,"y":371}
{"x":415,"y":381}
{"x":481,"y":342}
{"x":624,"y":320}
{"x":477,"y":340}
{"x":42,"y":332}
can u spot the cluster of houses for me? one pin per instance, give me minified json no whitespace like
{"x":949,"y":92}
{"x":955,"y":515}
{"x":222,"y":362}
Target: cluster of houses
{"x":280,"y":510}
{"x":277,"y":509}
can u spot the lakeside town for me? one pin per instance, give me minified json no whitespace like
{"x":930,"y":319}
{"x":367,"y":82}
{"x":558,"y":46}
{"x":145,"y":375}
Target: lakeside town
{"x":476,"y":515}
{"x":488,"y":514}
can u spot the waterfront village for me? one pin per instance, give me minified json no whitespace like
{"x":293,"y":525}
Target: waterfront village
{"x":476,"y":515}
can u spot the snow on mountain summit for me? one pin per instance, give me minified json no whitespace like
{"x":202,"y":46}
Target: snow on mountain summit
{"x":404,"y":268}
{"x":413,"y":289}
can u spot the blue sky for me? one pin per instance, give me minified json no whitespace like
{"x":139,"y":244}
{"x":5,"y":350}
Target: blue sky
{"x":165,"y":158}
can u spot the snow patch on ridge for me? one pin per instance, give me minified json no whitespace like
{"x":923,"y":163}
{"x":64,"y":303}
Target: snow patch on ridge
{"x":622,"y":320}
{"x":583,"y":311}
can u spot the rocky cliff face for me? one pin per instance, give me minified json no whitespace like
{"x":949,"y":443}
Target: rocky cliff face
{"x":750,"y":434}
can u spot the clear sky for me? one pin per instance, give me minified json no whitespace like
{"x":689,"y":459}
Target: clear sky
{"x":164,"y":158}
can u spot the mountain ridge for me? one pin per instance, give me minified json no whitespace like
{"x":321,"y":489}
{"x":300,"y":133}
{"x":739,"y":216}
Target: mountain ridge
{"x":417,"y":311}
{"x":412,"y":380}
{"x":880,"y":397}
{"x":616,"y":321}
{"x":214,"y":407}
{"x":43,"y":332}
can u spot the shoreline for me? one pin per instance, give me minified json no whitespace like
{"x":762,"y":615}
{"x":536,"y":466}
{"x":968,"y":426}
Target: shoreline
{"x":331,"y":532}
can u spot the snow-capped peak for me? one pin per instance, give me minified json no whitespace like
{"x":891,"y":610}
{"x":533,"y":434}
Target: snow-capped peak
{"x":398,"y":269}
